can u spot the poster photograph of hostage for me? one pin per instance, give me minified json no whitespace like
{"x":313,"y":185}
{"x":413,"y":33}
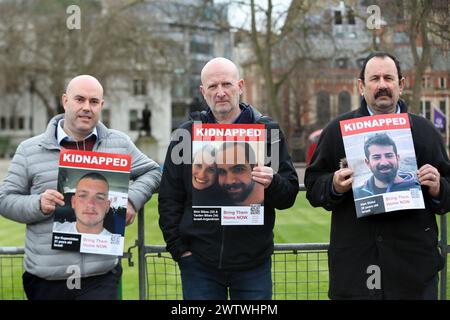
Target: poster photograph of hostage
{"x":385,"y":171}
{"x":222,"y":185}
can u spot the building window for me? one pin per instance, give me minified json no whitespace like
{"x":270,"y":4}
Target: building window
{"x":12,"y":86}
{"x":351,"y":16}
{"x":442,"y":83}
{"x":197,"y":66}
{"x":21,"y":123}
{"x":323,"y":108}
{"x":178,"y":91}
{"x":139,"y":87}
{"x":193,"y":86}
{"x":337,"y":17}
{"x":344,"y":102}
{"x":106,"y":117}
{"x":360,"y":62}
{"x":201,"y":47}
{"x":426,"y":109}
{"x":12,"y":123}
{"x":134,"y":121}
{"x":401,"y":38}
{"x":426,"y":82}
{"x":179,"y":110}
{"x":342,"y":63}
{"x":442,"y":106}
{"x":3,"y":123}
{"x":440,"y":5}
{"x":377,"y":39}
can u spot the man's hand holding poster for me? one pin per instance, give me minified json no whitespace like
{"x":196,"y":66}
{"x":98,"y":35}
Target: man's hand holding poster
{"x":222,"y":163}
{"x":95,"y":189}
{"x":380,"y":151}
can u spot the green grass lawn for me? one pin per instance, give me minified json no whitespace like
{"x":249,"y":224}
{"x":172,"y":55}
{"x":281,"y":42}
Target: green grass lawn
{"x":302,"y":223}
{"x":299,"y":224}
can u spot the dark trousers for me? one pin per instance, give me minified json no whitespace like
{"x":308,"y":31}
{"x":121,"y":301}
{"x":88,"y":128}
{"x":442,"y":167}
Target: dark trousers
{"x":102,"y":287}
{"x":202,"y":282}
{"x":431,"y":290}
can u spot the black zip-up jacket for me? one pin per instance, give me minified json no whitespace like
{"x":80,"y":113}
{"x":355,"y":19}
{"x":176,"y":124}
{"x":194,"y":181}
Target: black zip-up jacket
{"x":402,"y":244}
{"x":407,"y":182}
{"x":223,"y":247}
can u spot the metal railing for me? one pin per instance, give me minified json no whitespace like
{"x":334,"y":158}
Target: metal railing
{"x":299,"y":271}
{"x":293,"y":274}
{"x":11,"y":270}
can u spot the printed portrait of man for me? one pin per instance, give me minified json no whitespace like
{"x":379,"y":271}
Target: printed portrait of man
{"x":383,"y":160}
{"x":91,"y":205}
{"x":235,"y":162}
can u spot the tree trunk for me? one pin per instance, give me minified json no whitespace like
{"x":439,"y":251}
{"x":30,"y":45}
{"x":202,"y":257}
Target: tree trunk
{"x":263,"y":53}
{"x":419,"y":32}
{"x":48,"y":107}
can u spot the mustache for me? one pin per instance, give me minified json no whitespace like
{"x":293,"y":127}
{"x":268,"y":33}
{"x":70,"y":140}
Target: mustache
{"x":383,"y":92}
{"x":384,"y":167}
{"x":227,"y":187}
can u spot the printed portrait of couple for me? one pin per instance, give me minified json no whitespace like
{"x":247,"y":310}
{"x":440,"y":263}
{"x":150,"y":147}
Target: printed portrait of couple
{"x":222,"y":173}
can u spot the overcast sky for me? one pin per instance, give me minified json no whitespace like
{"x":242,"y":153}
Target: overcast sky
{"x":238,"y":14}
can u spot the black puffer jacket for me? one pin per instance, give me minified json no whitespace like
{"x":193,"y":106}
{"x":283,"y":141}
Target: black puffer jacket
{"x":403,"y":244}
{"x":224,"y":247}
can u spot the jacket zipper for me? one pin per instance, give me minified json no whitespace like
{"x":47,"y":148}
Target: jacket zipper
{"x":82,"y":266}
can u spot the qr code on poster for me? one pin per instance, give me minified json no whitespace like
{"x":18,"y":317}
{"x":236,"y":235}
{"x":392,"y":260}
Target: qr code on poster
{"x":115,"y":239}
{"x":414,"y":193}
{"x":255,"y":208}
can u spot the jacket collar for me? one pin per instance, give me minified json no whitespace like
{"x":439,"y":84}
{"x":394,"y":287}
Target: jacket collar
{"x":50,"y":141}
{"x":407,"y":179}
{"x":363,"y":109}
{"x":62,"y":135}
{"x":248,"y":115}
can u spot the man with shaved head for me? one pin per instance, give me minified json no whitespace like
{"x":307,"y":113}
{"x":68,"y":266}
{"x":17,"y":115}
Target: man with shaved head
{"x":217,"y":261}
{"x":28,"y":195}
{"x":83,"y":102}
{"x":221,"y":88}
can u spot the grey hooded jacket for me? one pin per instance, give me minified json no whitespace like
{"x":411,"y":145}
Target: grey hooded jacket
{"x":34,"y":169}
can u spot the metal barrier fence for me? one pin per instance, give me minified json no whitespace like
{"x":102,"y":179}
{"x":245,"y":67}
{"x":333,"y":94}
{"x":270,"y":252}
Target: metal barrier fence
{"x":295,"y":274}
{"x":299,"y":271}
{"x":11,"y":270}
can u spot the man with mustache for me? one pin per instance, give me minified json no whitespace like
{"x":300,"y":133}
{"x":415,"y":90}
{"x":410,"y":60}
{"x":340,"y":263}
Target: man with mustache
{"x":235,"y":176}
{"x":391,"y":255}
{"x":383,"y":160}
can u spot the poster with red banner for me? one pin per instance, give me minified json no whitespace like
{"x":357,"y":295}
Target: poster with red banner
{"x":95,"y":190}
{"x":380,"y":151}
{"x":223,"y":157}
